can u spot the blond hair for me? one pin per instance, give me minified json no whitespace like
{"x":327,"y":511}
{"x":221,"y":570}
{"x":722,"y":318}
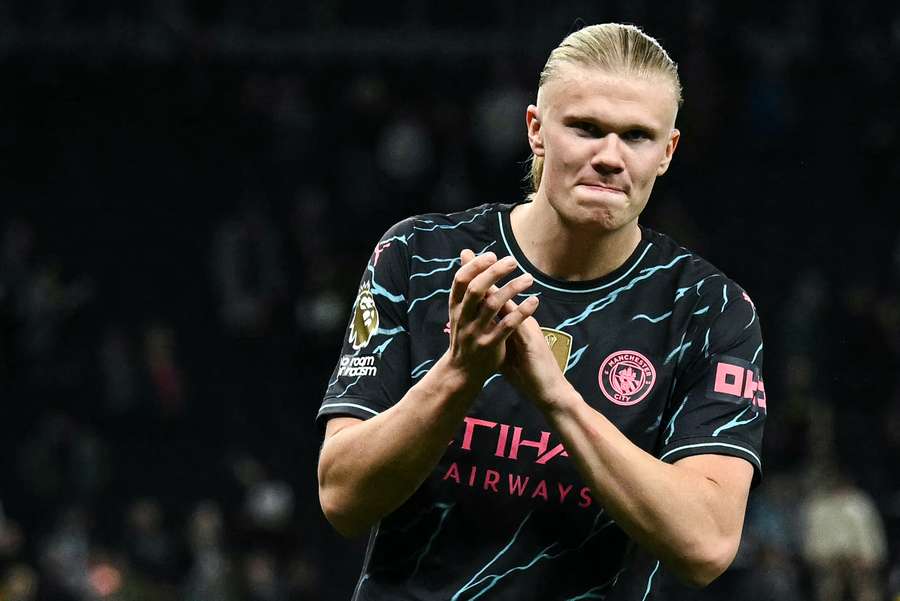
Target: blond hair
{"x":612,"y":47}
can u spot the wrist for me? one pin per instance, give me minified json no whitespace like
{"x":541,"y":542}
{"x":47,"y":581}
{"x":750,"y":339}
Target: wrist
{"x":454,"y":381}
{"x":558,"y":398}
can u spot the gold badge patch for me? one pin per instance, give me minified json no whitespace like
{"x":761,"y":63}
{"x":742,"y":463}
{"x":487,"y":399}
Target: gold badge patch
{"x":365,"y":318}
{"x":560,"y":345}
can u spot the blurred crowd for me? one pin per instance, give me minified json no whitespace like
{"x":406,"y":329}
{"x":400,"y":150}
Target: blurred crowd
{"x":190,"y":191}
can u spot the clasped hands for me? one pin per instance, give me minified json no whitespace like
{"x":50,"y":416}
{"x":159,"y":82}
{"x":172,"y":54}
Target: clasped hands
{"x":490,"y":332}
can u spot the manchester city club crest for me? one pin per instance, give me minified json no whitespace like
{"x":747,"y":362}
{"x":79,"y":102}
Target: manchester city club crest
{"x":626,"y":377}
{"x":560,"y":345}
{"x":365,"y":318}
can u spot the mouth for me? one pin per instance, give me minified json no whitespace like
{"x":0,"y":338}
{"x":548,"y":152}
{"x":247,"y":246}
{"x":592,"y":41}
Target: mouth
{"x":602,"y":187}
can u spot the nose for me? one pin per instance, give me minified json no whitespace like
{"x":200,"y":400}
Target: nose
{"x":608,"y":155}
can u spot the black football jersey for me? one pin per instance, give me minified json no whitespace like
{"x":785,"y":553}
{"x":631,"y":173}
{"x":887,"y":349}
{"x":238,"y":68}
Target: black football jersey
{"x":665,"y":346}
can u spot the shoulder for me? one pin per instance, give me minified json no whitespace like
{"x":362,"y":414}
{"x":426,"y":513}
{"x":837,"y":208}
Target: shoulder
{"x":447,"y":231}
{"x":694,"y":273}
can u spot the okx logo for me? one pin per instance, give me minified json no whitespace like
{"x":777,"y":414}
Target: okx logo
{"x":737,"y":380}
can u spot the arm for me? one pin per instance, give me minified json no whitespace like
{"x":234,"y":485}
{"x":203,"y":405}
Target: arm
{"x":689,"y":514}
{"x":369,"y":468}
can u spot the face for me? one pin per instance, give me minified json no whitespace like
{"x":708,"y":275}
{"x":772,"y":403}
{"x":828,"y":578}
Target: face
{"x":604,"y":138}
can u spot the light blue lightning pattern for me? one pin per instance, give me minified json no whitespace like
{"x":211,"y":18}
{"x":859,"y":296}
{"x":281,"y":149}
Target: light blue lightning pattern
{"x":446,"y":510}
{"x":545,"y":553}
{"x":379,"y":350}
{"x":511,"y":542}
{"x":575,"y":357}
{"x":654,"y":425}
{"x":349,"y":386}
{"x":753,"y":318}
{"x":420,"y":370}
{"x":594,"y":592}
{"x":682,"y":346}
{"x":705,"y":348}
{"x":679,"y":294}
{"x":495,"y":578}
{"x":724,"y":297}
{"x":650,"y":581}
{"x":379,"y":290}
{"x":682,"y":291}
{"x":390,"y":332}
{"x":653,"y":319}
{"x":736,"y":421}
{"x":671,"y":426}
{"x":756,"y":354}
{"x":489,"y":380}
{"x":422,"y":298}
{"x":450,"y":227}
{"x":401,"y":238}
{"x":599,"y":305}
{"x":450,"y":263}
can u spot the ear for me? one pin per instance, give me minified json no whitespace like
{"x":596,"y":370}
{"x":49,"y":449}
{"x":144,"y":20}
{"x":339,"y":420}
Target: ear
{"x":674,"y":136}
{"x":533,"y":123}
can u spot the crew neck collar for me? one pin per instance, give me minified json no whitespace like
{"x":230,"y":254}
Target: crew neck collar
{"x":548,"y":282}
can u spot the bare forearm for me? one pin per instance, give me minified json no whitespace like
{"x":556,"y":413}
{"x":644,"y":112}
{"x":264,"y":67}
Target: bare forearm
{"x":673,"y":512}
{"x":369,"y":469}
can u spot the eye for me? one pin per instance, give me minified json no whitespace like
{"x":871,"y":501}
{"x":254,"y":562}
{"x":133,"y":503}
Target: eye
{"x":635,"y":135}
{"x":587,"y":129}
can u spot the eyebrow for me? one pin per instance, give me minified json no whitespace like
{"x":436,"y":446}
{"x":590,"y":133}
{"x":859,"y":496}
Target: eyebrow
{"x":571,"y":118}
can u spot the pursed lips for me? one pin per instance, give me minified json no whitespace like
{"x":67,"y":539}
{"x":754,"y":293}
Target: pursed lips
{"x":601,"y":186}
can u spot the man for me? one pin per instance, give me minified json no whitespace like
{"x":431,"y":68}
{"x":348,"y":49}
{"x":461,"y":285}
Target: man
{"x":587,"y":423}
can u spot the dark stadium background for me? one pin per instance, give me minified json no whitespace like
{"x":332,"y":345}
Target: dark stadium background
{"x":189,"y":191}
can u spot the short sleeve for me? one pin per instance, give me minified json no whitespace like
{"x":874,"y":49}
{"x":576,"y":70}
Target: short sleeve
{"x":719,"y":401}
{"x":372,"y":372}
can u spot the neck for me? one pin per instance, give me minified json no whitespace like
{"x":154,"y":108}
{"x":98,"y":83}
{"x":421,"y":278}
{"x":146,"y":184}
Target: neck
{"x":567,"y":251}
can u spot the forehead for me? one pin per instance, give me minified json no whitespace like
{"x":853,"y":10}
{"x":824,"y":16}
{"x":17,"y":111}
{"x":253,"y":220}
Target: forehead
{"x":604,"y":95}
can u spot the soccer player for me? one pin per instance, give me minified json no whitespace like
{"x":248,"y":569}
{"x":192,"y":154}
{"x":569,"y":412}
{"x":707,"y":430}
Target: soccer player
{"x":545,"y":399}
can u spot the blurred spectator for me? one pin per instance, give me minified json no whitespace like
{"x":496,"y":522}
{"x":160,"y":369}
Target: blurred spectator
{"x":166,"y":377}
{"x":63,"y":460}
{"x":118,"y":371}
{"x":844,"y":540}
{"x":211,"y":575}
{"x":64,"y":557}
{"x":20,"y":583}
{"x":771,"y":543}
{"x":11,"y":538}
{"x":150,"y":547}
{"x":263,"y":581}
{"x":248,"y":270}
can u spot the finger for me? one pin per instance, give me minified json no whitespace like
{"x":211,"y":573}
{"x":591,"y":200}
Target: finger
{"x":481,"y":283}
{"x":466,"y":255}
{"x":500,"y":299}
{"x":466,"y":273}
{"x":506,"y":326}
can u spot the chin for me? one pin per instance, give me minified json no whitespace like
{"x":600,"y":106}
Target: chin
{"x":599,"y":217}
